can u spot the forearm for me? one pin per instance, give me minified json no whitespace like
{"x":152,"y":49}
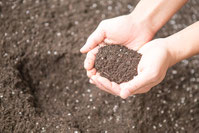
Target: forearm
{"x":156,"y":12}
{"x":184,"y":44}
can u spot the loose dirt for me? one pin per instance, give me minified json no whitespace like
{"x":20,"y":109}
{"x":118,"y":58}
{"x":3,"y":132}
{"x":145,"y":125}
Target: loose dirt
{"x":117,"y":63}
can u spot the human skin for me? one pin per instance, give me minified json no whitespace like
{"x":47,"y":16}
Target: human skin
{"x":133,"y":30}
{"x":137,"y":28}
{"x":157,"y":56}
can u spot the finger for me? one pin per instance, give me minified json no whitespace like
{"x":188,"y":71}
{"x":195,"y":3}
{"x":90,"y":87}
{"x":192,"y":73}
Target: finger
{"x":139,"y":81}
{"x":147,"y":87}
{"x":93,"y":40}
{"x":91,"y":72}
{"x":111,"y":86}
{"x":90,"y":58}
{"x":99,"y":85}
{"x":142,"y":90}
{"x":139,"y":91}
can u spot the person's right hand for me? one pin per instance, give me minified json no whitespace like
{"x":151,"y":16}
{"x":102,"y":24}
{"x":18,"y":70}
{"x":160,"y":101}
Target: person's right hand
{"x":156,"y":59}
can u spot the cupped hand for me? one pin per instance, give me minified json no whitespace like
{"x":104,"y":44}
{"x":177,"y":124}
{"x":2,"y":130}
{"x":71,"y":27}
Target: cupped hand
{"x":152,"y":69}
{"x":124,"y":30}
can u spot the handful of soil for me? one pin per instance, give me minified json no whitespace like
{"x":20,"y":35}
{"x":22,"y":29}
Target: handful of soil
{"x":117,"y":63}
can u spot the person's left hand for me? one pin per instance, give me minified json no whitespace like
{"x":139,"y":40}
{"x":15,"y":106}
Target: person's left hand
{"x":152,"y":69}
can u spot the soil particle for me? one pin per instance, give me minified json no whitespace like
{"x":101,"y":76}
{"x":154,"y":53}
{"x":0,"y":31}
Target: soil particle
{"x":117,"y":63}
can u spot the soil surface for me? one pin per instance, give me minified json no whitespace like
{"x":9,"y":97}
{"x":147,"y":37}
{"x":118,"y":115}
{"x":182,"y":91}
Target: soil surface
{"x":117,"y":63}
{"x":44,"y":88}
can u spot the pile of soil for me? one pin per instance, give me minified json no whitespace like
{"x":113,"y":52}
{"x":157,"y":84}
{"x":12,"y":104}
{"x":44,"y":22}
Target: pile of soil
{"x":117,"y":63}
{"x":44,"y":87}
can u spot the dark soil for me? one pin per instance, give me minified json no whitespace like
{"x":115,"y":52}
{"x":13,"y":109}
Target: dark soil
{"x":44,"y":88}
{"x":117,"y":63}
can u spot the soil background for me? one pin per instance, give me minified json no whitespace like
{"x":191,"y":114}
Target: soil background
{"x":44,"y":88}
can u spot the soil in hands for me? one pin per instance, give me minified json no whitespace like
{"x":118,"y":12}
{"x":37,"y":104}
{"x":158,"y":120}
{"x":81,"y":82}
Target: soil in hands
{"x":117,"y":63}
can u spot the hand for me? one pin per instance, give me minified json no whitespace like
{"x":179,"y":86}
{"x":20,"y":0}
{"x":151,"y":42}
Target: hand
{"x":123,"y":30}
{"x":158,"y":56}
{"x":152,"y":69}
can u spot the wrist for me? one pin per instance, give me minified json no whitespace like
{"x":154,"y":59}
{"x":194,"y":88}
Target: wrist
{"x":156,"y":14}
{"x":184,"y":44}
{"x":176,"y":54}
{"x":171,"y":53}
{"x":142,"y":22}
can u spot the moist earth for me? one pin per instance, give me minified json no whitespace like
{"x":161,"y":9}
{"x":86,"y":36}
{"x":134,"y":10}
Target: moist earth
{"x":117,"y":63}
{"x":44,"y":88}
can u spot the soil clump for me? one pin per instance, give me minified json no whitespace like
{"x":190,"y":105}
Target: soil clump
{"x":117,"y":63}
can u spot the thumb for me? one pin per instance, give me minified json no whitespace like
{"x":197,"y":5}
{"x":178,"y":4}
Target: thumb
{"x":128,"y":88}
{"x":93,"y":40}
